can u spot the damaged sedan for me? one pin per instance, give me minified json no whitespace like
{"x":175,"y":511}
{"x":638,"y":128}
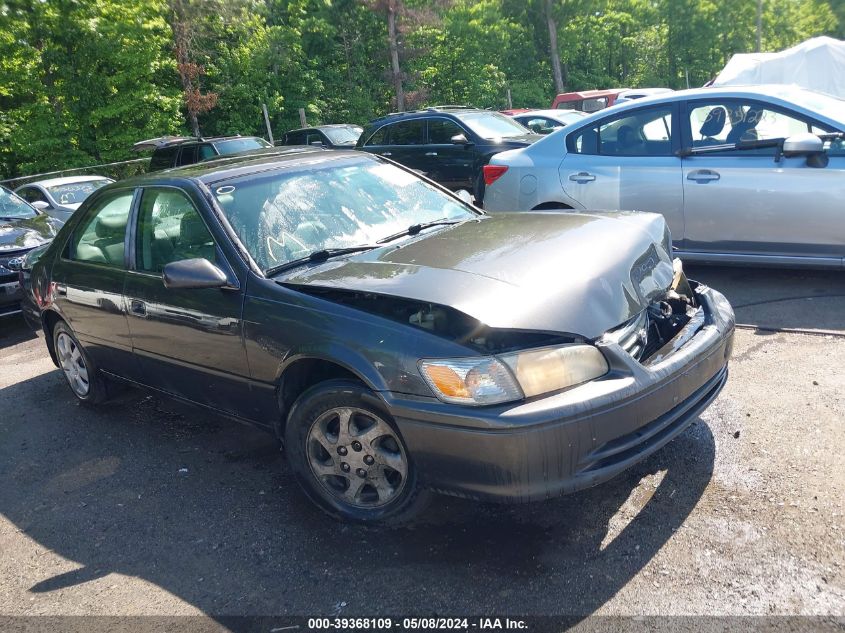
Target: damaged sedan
{"x":397,"y":340}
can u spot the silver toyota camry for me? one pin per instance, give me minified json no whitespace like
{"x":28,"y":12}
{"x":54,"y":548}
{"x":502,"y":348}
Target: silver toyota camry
{"x":742,"y":175}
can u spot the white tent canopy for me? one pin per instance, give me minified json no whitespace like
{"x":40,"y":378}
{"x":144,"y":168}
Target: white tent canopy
{"x":817,"y":64}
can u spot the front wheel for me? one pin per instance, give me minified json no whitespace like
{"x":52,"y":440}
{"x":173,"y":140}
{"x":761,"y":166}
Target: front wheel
{"x":348,"y":456}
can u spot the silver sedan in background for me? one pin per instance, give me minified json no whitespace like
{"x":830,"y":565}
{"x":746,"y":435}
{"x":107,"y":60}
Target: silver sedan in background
{"x":742,"y":175}
{"x":548,"y":121}
{"x":60,"y":197}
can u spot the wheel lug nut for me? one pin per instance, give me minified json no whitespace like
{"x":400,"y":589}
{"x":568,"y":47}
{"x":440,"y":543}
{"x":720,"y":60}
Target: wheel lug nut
{"x":356,"y":446}
{"x":341,"y":450}
{"x":361,"y":473}
{"x":344,"y":467}
{"x":368,"y":460}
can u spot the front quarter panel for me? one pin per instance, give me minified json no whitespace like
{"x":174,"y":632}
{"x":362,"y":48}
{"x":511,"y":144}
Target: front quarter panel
{"x":283,"y":325}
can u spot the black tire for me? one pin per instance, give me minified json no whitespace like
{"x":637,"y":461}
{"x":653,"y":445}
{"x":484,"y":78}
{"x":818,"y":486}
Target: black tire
{"x":371,"y":443}
{"x":77,"y":367}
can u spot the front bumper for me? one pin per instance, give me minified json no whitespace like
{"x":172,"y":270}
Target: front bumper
{"x":573,"y":439}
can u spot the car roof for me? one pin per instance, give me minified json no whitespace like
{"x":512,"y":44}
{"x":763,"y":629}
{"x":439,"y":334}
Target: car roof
{"x":226,"y":167}
{"x":444,"y":109}
{"x":173,"y":141}
{"x":550,"y":113}
{"x":66,"y":180}
{"x":327,"y":126}
{"x":783,"y":93}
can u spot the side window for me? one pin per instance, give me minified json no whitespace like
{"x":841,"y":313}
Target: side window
{"x":541,"y":125}
{"x":170,"y":229}
{"x":206,"y":151}
{"x":441,"y":131}
{"x":381,"y":137}
{"x":188,"y":155}
{"x":31,"y":194}
{"x":163,"y":158}
{"x":315,"y":137}
{"x":408,"y":133}
{"x":100,"y":236}
{"x":641,"y":133}
{"x":734,"y":122}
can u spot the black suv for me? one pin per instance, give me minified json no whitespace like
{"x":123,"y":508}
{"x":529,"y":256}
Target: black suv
{"x":335,"y":136}
{"x":175,"y":151}
{"x":449,"y":144}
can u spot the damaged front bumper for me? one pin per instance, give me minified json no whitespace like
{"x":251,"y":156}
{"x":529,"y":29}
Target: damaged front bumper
{"x":560,"y":443}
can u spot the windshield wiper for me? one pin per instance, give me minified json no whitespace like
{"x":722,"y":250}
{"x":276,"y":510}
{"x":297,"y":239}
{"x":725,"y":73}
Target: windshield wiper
{"x":318,"y":257}
{"x":416,"y":228}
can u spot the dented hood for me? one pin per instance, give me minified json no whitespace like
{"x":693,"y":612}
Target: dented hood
{"x":557,"y":272}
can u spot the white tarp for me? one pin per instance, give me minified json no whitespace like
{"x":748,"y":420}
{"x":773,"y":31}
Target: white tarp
{"x":817,"y":64}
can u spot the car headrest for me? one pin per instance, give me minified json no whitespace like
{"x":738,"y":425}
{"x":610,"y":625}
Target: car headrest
{"x":625,"y":135}
{"x":715,"y":122}
{"x":192,"y":229}
{"x":111,"y":225}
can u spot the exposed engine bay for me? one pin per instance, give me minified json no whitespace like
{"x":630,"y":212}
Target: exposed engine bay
{"x":442,"y":321}
{"x":659,"y":329}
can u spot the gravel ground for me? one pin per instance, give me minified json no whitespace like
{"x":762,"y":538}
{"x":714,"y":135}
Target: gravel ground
{"x":149,"y":507}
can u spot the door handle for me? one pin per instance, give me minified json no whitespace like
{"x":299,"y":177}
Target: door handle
{"x":138,"y":308}
{"x":703,"y":175}
{"x":431,"y":153}
{"x":386,"y":154}
{"x":61,"y":290}
{"x":582,"y":177}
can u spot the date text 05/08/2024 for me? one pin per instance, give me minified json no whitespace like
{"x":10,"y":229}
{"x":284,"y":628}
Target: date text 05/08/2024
{"x":425,"y":623}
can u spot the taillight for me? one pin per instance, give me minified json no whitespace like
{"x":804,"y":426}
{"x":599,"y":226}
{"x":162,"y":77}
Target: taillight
{"x":493,"y":172}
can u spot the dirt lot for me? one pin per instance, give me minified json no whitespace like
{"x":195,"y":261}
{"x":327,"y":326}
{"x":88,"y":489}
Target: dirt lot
{"x":147,"y":507}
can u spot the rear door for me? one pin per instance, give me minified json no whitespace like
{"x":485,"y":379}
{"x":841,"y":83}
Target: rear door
{"x":743,"y":201}
{"x":627,"y":161}
{"x":407,"y":144}
{"x":89,"y":276}
{"x":188,"y":341}
{"x":445,"y":162}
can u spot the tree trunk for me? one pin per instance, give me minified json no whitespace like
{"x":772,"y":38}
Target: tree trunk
{"x":553,"y":51}
{"x":181,"y":47}
{"x":396,"y":71}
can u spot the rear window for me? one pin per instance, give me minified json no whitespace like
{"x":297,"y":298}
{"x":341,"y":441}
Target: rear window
{"x":237,"y":145}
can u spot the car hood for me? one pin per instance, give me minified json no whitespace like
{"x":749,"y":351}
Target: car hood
{"x":27,"y":233}
{"x":570,"y":273}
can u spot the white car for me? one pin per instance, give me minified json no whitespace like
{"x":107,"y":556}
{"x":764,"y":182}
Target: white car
{"x":547,"y":121}
{"x":742,"y":175}
{"x":60,"y":197}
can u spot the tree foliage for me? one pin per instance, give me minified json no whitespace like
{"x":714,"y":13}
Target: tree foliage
{"x":82,"y":80}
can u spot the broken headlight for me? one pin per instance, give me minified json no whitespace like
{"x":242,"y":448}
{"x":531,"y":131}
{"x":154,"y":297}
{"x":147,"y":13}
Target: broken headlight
{"x":490,"y":380}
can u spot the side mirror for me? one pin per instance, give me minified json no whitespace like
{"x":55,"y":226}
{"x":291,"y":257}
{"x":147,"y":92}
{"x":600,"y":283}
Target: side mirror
{"x":459,"y":139}
{"x":193,"y":274}
{"x":40,"y":205}
{"x":808,"y":145}
{"x":802,"y":144}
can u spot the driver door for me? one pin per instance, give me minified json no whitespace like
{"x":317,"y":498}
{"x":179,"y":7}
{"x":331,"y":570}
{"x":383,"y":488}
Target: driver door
{"x":188,"y":341}
{"x":743,"y":201}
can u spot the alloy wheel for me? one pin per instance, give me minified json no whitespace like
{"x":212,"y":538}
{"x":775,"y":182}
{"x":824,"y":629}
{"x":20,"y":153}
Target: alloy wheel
{"x":73,"y":364}
{"x":357,"y":457}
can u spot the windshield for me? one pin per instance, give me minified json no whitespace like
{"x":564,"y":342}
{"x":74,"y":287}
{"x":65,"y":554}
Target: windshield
{"x":493,"y":125}
{"x":343,"y":135}
{"x":287,"y":215}
{"x":826,"y":105}
{"x":76,"y":192}
{"x":13,"y":207}
{"x":237,"y":145}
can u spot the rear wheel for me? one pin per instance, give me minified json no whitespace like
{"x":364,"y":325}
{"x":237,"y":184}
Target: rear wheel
{"x":348,"y":456}
{"x":79,"y":371}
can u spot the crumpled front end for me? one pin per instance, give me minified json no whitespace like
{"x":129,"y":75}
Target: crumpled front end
{"x":662,"y":376}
